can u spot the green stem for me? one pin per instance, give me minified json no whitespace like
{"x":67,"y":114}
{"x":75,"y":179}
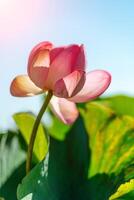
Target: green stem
{"x":34,"y":131}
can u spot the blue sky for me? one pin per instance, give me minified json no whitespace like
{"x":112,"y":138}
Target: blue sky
{"x":106,"y":28}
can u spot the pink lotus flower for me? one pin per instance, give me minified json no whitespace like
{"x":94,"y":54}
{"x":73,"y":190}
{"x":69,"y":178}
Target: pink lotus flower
{"x":61,"y":70}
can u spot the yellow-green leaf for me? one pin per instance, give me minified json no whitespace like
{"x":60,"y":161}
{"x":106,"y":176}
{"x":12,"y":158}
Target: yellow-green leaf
{"x":25,"y":122}
{"x":124,"y":192}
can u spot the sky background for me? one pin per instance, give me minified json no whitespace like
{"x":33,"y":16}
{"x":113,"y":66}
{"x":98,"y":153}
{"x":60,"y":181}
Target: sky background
{"x":105,"y":27}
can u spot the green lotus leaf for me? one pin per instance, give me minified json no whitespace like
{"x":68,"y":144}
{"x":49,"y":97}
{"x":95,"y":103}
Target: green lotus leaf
{"x":25,"y":122}
{"x":91,"y":162}
{"x":12,"y":168}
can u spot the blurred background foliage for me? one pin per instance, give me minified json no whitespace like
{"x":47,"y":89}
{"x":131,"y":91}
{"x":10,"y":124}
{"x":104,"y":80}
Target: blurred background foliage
{"x":92,"y":159}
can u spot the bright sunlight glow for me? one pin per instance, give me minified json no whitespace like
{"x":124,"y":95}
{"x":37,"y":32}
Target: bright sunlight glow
{"x":16,"y":16}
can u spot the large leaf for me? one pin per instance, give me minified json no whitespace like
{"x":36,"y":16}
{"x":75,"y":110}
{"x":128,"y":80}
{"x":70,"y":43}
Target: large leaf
{"x":95,"y":157}
{"x":121,"y":104}
{"x":110,"y":137}
{"x":62,"y":171}
{"x":12,"y":158}
{"x":111,"y":140}
{"x":35,"y":185}
{"x":25,"y":122}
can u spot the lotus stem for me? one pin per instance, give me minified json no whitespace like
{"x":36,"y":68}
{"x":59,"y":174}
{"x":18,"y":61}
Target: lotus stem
{"x":34,"y":131}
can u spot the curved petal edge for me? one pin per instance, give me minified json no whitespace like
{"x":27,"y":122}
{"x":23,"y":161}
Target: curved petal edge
{"x":65,"y":110}
{"x":96,"y":83}
{"x":22,"y":86}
